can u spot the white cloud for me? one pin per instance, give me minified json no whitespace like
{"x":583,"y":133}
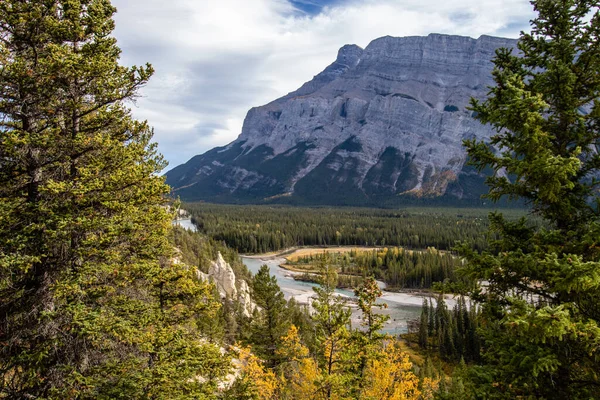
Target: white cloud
{"x":215,"y":59}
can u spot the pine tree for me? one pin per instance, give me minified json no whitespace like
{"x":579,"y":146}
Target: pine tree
{"x":299,"y":316}
{"x":431,"y":321}
{"x":368,"y":293}
{"x":542,"y":300}
{"x":91,"y":304}
{"x":423,"y":334}
{"x":331,"y":318}
{"x":272,"y":322}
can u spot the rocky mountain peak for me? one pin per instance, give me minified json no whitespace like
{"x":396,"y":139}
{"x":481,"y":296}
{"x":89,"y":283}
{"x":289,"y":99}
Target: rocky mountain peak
{"x":349,"y":55}
{"x":386,"y":122}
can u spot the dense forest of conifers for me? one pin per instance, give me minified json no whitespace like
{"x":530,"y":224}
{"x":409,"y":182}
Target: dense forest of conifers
{"x":260,"y":229}
{"x":451,"y":334}
{"x":397,"y":267}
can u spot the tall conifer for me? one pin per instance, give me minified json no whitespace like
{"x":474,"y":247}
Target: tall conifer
{"x":542,"y":298}
{"x":272,"y":322}
{"x":91,"y":305}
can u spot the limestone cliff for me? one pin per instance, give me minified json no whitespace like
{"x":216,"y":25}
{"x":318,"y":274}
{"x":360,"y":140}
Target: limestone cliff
{"x":385,"y":121}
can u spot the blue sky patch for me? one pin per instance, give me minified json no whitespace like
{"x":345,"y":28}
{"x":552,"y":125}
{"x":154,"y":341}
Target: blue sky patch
{"x":312,"y":7}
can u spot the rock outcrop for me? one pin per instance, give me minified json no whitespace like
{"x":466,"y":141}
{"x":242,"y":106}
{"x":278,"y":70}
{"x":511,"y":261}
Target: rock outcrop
{"x":221,"y":274}
{"x":385,"y":121}
{"x":245,"y":299}
{"x":224,"y":278}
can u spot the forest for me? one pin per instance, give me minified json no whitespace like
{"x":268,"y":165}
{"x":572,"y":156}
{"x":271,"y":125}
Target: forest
{"x":397,"y":267}
{"x":289,"y":352}
{"x":261,"y":229}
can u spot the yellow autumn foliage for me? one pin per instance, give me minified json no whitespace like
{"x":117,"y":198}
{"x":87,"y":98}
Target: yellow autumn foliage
{"x":260,"y":381}
{"x":429,"y":387}
{"x":390,"y":377}
{"x":299,"y":373}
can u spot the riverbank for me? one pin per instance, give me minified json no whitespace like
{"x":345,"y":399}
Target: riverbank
{"x":271,"y":255}
{"x":399,"y":311}
{"x":279,"y":264}
{"x":402,"y":307}
{"x":301,"y":251}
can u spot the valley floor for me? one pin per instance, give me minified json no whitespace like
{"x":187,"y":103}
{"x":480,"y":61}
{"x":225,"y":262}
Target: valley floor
{"x":403,"y":305}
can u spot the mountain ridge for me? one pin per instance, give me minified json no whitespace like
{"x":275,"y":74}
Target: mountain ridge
{"x":378,"y":123}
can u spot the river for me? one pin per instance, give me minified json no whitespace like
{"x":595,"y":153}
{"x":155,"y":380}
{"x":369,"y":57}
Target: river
{"x":185,"y":223}
{"x":402,"y":307}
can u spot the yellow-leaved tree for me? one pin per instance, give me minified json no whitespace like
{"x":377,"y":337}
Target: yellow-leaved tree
{"x":299,"y":373}
{"x":390,"y":377}
{"x":255,"y":381}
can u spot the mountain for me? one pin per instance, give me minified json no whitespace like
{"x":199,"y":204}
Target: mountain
{"x":380,"y":124}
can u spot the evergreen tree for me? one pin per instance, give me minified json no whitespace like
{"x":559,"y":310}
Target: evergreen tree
{"x":423,"y":334}
{"x":431,"y":321}
{"x":272,"y":322}
{"x":331,"y":319}
{"x":368,"y":293}
{"x":299,"y":316}
{"x":91,"y":305}
{"x":542,"y":300}
{"x":455,"y":332}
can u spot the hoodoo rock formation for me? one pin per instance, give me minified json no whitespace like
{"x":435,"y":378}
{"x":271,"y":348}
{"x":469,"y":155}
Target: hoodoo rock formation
{"x":221,"y":274}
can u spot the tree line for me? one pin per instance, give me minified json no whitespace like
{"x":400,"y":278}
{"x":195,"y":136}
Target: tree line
{"x":261,"y":229}
{"x":452,"y":334}
{"x":397,"y":267}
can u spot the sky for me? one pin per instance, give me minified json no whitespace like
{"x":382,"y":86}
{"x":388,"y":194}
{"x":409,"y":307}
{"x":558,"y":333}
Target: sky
{"x":216,"y":59}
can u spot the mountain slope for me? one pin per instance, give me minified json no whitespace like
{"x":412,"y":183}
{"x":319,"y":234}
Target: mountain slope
{"x":378,"y":123}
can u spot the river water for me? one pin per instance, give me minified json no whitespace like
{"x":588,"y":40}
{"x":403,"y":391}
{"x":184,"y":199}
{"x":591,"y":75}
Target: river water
{"x":185,"y":223}
{"x":402,"y":307}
